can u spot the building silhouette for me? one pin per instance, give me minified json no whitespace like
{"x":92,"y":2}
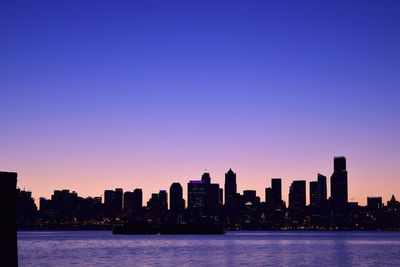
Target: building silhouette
{"x":197,"y":194}
{"x":276,"y":192}
{"x":339,"y":194}
{"x":66,"y":210}
{"x":297,"y":195}
{"x":314,"y":194}
{"x":176,"y":202}
{"x":322,"y":188}
{"x":230,"y":188}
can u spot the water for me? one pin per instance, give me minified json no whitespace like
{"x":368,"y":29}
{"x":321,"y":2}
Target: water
{"x":101,"y":248}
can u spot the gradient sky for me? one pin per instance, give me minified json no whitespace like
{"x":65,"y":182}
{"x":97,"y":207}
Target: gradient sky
{"x":103,"y":94}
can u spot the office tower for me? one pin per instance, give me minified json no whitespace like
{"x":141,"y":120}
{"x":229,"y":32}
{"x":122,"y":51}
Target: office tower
{"x":276,"y":193}
{"x":163,"y":199}
{"x":249,"y":196}
{"x":8,"y":207}
{"x":108,"y":199}
{"x":128,"y":201}
{"x":212,"y":203}
{"x":374,"y":203}
{"x":268,"y":195}
{"x":176,"y":199}
{"x":118,"y":193}
{"x":230,"y":188}
{"x":197,"y":194}
{"x":26,"y":208}
{"x":221,"y":196}
{"x":314,"y":194}
{"x":297,"y":195}
{"x":137,"y":200}
{"x":322,"y":188}
{"x":206,"y":178}
{"x":339,"y":195}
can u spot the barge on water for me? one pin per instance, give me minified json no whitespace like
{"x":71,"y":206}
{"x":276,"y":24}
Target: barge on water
{"x":169,"y":229}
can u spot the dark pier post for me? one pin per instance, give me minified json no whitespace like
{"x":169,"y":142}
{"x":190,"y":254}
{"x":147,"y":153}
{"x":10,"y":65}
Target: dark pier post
{"x":8,"y":209}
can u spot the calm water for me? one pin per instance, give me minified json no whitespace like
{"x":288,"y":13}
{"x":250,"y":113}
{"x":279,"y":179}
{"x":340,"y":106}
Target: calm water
{"x":101,"y":248}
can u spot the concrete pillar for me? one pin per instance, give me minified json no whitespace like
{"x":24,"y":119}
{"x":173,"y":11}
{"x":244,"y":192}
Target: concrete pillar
{"x":8,"y":210}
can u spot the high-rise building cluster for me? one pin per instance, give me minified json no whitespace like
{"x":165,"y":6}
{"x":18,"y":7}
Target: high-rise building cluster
{"x":208,"y":203}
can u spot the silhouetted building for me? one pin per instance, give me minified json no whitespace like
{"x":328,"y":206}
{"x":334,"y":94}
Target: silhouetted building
{"x":212,"y":197}
{"x":339,"y":195}
{"x":113,"y":201}
{"x":197,"y":194}
{"x":176,"y":201}
{"x":276,"y":193}
{"x":8,"y":207}
{"x":129,"y":200}
{"x":268,"y":195}
{"x":118,"y":197}
{"x":297,"y":195}
{"x":374,"y":203}
{"x":250,"y":196}
{"x":26,"y":208}
{"x":314,"y":194}
{"x":221,"y":196}
{"x":163,"y":195}
{"x":137,"y":201}
{"x":322,"y":188}
{"x":206,"y":178}
{"x":230,"y":188}
{"x":393,"y":204}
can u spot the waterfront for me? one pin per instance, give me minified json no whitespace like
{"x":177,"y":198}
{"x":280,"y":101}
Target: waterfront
{"x":280,"y":248}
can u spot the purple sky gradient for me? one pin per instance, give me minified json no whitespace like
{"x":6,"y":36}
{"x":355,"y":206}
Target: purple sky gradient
{"x":99,"y":95}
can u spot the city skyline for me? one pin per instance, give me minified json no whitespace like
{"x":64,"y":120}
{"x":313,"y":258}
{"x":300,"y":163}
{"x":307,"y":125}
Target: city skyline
{"x":274,"y":184}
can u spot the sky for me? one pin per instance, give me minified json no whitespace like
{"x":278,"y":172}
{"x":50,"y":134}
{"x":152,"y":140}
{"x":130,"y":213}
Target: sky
{"x":100,"y":95}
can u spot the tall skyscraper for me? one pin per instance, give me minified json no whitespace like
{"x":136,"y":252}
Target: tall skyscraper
{"x":297,"y":195}
{"x":230,"y":188}
{"x":206,"y":178}
{"x":197,"y":194}
{"x":314,"y":194}
{"x":322,"y":188}
{"x":137,"y":200}
{"x":176,"y":199}
{"x":276,"y":192}
{"x":339,"y":194}
{"x":250,"y":196}
{"x":128,"y":201}
{"x":118,"y":198}
{"x":163,"y":196}
{"x":268,"y":195}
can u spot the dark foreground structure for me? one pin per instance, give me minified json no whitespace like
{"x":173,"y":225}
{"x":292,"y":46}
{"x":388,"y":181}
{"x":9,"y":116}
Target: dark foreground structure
{"x":8,"y":206}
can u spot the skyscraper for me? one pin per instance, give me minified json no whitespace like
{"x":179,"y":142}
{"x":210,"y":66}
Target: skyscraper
{"x":314,"y":194}
{"x":276,"y":192}
{"x":118,"y":193}
{"x":197,"y":194}
{"x":176,"y":198}
{"x":322,"y":188}
{"x":268,"y":195}
{"x":206,"y":178}
{"x":250,"y":196}
{"x":163,"y":196}
{"x":230,"y":188}
{"x":339,"y":194}
{"x":297,"y":195}
{"x":128,"y":201}
{"x":137,"y":200}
